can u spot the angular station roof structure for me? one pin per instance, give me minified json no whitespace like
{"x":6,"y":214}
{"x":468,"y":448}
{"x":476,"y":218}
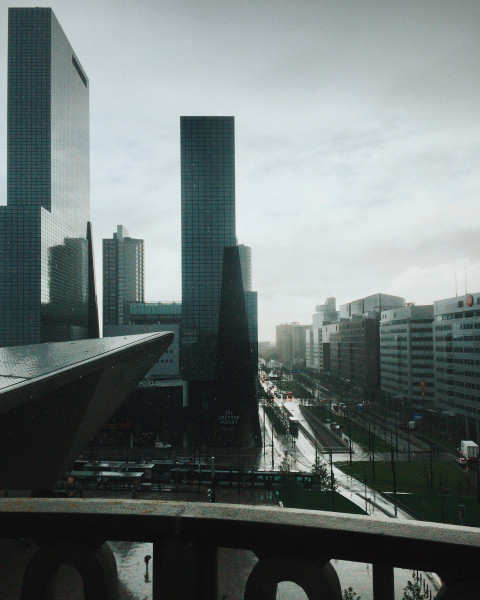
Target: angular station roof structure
{"x":55,"y":397}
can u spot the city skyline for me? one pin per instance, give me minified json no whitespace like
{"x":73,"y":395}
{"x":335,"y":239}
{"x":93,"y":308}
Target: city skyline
{"x":357,"y":137}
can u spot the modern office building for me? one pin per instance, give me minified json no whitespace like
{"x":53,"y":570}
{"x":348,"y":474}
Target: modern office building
{"x":146,"y":313}
{"x":354,"y":350}
{"x":251,"y":297}
{"x":158,"y":401}
{"x":324,"y":313}
{"x":149,"y":317}
{"x":359,"y":354}
{"x":251,"y":304}
{"x":208,"y":226}
{"x":246,"y":265}
{"x":406,"y":355}
{"x":290,"y":340}
{"x":123,"y":276}
{"x":331,"y":345}
{"x":44,"y":251}
{"x":456,"y":330}
{"x":208,"y":240}
{"x":374,"y":304}
{"x":236,"y":372}
{"x":351,"y":309}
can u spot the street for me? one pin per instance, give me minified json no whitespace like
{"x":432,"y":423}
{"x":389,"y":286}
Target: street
{"x":302,"y":456}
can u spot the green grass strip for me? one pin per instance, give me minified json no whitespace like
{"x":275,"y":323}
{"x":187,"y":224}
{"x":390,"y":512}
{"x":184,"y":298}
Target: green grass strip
{"x":297,"y":497}
{"x":413,"y":488}
{"x":359,"y":433}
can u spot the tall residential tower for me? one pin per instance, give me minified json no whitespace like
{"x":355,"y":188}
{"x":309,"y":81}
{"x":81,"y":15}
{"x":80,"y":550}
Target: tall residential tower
{"x":44,"y":251}
{"x":123,"y":276}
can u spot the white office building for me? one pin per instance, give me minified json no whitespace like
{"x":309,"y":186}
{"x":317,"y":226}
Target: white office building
{"x":406,"y":354}
{"x":324,"y":313}
{"x":457,"y":360}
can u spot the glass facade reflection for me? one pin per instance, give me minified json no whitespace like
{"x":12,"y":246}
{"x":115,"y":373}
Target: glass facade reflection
{"x":208,"y":226}
{"x":43,"y":244}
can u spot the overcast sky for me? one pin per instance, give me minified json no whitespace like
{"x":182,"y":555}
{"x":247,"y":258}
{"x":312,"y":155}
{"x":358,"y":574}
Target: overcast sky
{"x":357,"y":138}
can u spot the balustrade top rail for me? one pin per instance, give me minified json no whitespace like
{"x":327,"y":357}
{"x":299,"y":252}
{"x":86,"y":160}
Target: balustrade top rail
{"x":411,"y":544}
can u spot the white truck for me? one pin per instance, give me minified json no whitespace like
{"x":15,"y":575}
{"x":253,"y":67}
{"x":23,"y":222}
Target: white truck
{"x":469,"y":449}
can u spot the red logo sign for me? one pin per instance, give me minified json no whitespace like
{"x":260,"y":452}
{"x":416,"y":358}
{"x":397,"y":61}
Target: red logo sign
{"x":469,"y":300}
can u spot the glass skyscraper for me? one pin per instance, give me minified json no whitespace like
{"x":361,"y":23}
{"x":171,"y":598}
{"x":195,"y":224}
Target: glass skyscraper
{"x":218,"y":359}
{"x":208,"y":226}
{"x":44,"y":252}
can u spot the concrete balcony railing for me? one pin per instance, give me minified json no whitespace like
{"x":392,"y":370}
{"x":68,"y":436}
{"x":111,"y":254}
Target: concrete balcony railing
{"x":291,"y":545}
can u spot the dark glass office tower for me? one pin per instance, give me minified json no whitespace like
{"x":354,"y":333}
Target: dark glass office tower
{"x":216,"y":350}
{"x":236,"y":370}
{"x":44,"y":252}
{"x":208,"y":225}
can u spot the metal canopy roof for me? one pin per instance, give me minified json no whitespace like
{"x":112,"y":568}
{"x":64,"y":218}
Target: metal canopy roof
{"x":19,"y":364}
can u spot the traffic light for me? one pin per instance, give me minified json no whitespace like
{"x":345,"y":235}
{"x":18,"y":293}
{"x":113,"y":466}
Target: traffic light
{"x":211,"y":494}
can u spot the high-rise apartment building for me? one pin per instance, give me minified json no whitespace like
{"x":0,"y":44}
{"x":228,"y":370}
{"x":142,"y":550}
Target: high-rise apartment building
{"x":208,"y":226}
{"x":44,"y":251}
{"x":123,"y":276}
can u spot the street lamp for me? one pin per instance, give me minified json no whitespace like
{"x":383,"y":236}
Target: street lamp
{"x":264,"y":430}
{"x":147,"y":559}
{"x":273,"y":460}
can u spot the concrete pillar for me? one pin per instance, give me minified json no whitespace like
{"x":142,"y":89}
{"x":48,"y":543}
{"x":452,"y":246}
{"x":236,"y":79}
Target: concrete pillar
{"x":383,"y":582}
{"x":184,"y":569}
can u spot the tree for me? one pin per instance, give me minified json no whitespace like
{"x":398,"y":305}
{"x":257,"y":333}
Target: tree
{"x":413,"y":589}
{"x":288,"y":483}
{"x":320,"y":469}
{"x":350,"y":595}
{"x":284,"y":467}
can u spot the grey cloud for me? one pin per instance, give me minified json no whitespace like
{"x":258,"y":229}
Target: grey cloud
{"x":357,"y":128}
